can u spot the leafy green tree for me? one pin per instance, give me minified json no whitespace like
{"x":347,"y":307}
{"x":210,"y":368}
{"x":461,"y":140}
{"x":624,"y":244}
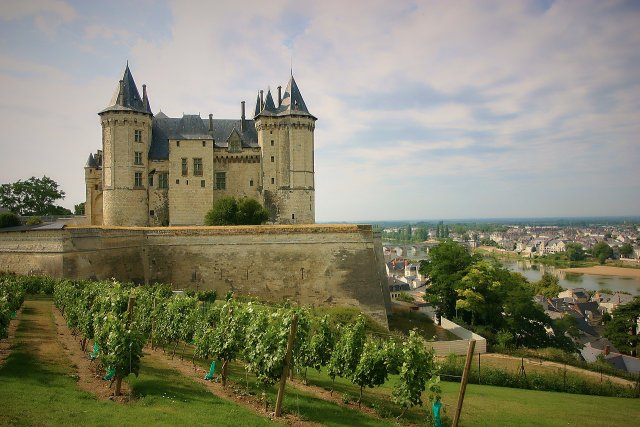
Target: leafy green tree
{"x":622,"y":329}
{"x":447,"y":265}
{"x":602,"y":251}
{"x":479,"y":294}
{"x":35,"y":196}
{"x":574,"y":251}
{"x":417,"y":369}
{"x":626,"y":250}
{"x":548,"y":285}
{"x":78,"y":209}
{"x":231,"y":211}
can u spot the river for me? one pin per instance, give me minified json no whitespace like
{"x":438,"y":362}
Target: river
{"x":593,"y":282}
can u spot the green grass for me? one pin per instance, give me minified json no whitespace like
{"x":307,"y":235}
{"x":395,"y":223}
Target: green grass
{"x":37,"y":387}
{"x":404,"y":321}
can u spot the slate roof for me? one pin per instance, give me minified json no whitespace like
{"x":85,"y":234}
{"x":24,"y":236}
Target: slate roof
{"x":127,"y":98}
{"x":91,"y":162}
{"x":194,"y":127}
{"x":292,"y":103}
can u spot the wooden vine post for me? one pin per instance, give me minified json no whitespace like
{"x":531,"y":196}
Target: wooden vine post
{"x":463,"y":383}
{"x":287,"y":363}
{"x":131,"y":304}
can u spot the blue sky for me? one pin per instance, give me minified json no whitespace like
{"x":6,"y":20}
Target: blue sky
{"x":427,"y":109}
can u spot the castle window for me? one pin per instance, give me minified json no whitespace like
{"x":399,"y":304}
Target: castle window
{"x":137,"y":135}
{"x":221,"y":180}
{"x":197,"y":167}
{"x":177,"y":143}
{"x":151,"y":213}
{"x":271,"y":133}
{"x":273,"y":180}
{"x":273,"y":159}
{"x":272,"y":143}
{"x":137,"y":158}
{"x":185,"y":167}
{"x":137,"y":179}
{"x":293,"y":216}
{"x":202,"y":183}
{"x":95,"y":187}
{"x":163,"y":180}
{"x":250,"y":183}
{"x":150,"y":180}
{"x":204,"y":143}
{"x":177,"y":181}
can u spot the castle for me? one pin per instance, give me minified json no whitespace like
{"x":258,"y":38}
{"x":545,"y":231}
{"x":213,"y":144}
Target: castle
{"x":155,"y":170}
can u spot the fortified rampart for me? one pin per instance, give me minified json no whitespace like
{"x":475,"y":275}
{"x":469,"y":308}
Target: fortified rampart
{"x":309,"y":264}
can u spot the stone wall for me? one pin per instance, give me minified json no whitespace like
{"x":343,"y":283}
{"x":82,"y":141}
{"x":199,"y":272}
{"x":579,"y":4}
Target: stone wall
{"x":309,"y":264}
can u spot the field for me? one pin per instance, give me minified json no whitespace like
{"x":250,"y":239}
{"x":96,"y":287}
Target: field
{"x":40,"y":385}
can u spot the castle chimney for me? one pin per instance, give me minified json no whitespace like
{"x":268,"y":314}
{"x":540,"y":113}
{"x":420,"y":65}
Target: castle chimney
{"x":279,"y":96}
{"x":210,"y":123}
{"x":121,"y":92}
{"x":242,"y":117}
{"x":145,"y":100}
{"x":261,"y":99}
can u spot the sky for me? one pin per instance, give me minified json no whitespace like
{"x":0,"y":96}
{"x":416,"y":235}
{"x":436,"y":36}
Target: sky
{"x":426,"y":109}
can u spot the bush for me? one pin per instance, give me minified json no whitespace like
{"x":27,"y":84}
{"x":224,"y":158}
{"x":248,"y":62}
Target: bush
{"x":232,"y":211}
{"x":34,"y":220}
{"x":9,"y":219}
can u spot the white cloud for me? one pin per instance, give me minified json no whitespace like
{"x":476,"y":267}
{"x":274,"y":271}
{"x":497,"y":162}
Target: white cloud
{"x":47,"y":14}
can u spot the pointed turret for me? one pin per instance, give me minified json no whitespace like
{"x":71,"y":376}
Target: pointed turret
{"x":269,"y":105}
{"x":292,"y":102}
{"x":258,"y":106}
{"x":91,"y":162}
{"x":127,"y":97}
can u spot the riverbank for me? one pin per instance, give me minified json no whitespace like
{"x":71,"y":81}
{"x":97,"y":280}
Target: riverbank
{"x":604,"y":270}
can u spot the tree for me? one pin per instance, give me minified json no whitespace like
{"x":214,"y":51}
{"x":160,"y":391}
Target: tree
{"x":250,"y":212}
{"x":446,"y":266}
{"x":626,"y":250}
{"x":35,"y":196}
{"x":548,"y":285}
{"x":622,"y":329}
{"x":602,"y":251}
{"x":574,"y":251}
{"x":231,"y":211}
{"x":346,"y":354}
{"x":78,"y":209}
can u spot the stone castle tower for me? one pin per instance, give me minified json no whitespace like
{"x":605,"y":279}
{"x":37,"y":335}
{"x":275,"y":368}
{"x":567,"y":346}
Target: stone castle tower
{"x":154,"y":170}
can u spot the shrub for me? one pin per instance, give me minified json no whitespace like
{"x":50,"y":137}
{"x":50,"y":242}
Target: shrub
{"x":34,"y":220}
{"x":9,"y":219}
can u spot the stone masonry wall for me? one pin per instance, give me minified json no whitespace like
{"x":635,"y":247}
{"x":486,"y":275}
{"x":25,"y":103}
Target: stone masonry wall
{"x":309,"y":264}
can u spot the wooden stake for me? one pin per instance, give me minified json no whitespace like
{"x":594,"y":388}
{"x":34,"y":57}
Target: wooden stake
{"x":287,"y":362}
{"x":463,"y":384}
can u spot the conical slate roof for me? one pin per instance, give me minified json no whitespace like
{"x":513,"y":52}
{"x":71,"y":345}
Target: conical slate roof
{"x":126,"y":97}
{"x":91,"y":162}
{"x":292,"y":103}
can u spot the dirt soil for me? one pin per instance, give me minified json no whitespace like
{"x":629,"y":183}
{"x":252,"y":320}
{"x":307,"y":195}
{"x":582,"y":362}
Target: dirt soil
{"x":5,"y":343}
{"x":89,"y":373}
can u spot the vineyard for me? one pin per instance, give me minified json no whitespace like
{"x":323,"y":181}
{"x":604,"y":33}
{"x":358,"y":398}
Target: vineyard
{"x":345,"y":371}
{"x":115,"y":321}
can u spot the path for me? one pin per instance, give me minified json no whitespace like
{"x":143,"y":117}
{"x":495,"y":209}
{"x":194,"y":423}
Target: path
{"x":561,"y":366}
